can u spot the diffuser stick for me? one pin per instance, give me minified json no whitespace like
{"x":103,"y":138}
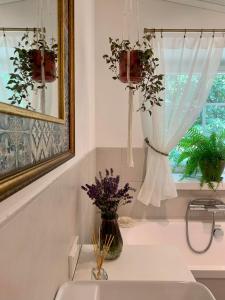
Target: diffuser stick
{"x":101,"y":252}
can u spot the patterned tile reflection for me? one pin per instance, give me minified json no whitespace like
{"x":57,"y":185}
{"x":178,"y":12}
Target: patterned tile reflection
{"x":25,"y":141}
{"x":15,"y":146}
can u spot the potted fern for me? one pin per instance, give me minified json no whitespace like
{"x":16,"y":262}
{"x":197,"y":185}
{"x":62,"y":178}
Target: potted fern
{"x":143,"y":65}
{"x":205,"y":154}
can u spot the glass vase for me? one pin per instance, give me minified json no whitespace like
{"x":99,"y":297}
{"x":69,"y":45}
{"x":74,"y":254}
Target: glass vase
{"x":110,"y":226}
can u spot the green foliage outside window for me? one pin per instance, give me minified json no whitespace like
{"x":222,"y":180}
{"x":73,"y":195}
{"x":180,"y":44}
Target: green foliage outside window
{"x":211,"y":119}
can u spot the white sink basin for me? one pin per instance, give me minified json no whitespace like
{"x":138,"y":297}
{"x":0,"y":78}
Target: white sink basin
{"x":133,"y":290}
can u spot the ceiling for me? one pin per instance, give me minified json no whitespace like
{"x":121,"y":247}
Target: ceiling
{"x":215,"y":5}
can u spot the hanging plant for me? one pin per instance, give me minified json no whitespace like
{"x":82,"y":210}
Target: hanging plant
{"x":143,"y":65}
{"x":28,"y":58}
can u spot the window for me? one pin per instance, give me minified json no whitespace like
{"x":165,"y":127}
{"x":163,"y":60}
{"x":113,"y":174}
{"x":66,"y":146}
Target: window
{"x":212,"y":116}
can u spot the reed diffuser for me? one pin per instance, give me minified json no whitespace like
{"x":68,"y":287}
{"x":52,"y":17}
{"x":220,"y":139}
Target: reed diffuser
{"x":101,"y":250}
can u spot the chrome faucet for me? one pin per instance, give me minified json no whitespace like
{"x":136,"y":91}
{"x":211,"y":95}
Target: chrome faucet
{"x":212,"y":206}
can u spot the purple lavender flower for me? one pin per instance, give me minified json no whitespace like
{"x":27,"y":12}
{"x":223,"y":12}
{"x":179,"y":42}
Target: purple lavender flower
{"x":106,"y":194}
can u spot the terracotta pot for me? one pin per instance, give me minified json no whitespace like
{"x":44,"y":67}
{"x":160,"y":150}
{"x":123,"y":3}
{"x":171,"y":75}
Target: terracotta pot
{"x":136,"y":66}
{"x":49,"y":65}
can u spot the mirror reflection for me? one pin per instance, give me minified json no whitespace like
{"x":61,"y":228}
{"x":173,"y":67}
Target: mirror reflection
{"x":29,"y":55}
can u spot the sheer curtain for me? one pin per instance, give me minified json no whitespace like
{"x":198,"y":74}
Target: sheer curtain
{"x":7,"y":44}
{"x":189,"y":64}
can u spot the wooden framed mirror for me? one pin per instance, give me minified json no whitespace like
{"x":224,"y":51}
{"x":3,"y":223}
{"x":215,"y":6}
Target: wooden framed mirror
{"x":36,"y":90}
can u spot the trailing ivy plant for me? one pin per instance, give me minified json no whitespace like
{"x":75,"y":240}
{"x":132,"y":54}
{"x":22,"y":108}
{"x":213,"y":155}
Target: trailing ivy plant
{"x":20,"y":81}
{"x":204,"y":153}
{"x":151,"y":84}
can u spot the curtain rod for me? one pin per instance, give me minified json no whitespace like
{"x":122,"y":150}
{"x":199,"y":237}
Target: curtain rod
{"x":20,"y":29}
{"x":147,"y":30}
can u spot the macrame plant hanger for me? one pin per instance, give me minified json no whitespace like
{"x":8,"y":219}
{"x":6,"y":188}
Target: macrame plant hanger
{"x":130,"y":6}
{"x":41,"y":34}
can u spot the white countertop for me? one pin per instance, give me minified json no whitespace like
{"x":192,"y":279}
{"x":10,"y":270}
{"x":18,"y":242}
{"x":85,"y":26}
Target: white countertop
{"x":153,"y":263}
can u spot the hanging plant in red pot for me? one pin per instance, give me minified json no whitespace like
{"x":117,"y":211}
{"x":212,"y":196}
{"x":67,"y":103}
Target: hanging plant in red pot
{"x":136,"y":66}
{"x":29,"y":57}
{"x":47,"y":58}
{"x":43,"y":56}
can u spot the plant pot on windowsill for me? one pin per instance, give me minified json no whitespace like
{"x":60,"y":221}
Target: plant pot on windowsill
{"x":136,"y":66}
{"x":49,"y":65}
{"x":212,"y":172}
{"x":204,"y":152}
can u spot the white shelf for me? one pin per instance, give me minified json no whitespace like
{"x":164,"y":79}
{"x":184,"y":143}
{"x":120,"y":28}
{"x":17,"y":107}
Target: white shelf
{"x":137,"y":262}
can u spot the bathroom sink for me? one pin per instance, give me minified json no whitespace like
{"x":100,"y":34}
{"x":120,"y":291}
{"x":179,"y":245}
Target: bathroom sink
{"x":133,"y":290}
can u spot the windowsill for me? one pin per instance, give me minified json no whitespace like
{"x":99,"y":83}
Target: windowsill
{"x":193,"y":184}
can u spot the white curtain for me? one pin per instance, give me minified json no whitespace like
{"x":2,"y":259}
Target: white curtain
{"x":189,"y":64}
{"x":7,"y":44}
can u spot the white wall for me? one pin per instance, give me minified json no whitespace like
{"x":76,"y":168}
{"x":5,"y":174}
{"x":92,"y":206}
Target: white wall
{"x":37,"y":224}
{"x":111,"y":99}
{"x":30,"y":13}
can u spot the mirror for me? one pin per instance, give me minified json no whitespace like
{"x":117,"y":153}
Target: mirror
{"x":30,"y":62}
{"x":36,"y":89}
